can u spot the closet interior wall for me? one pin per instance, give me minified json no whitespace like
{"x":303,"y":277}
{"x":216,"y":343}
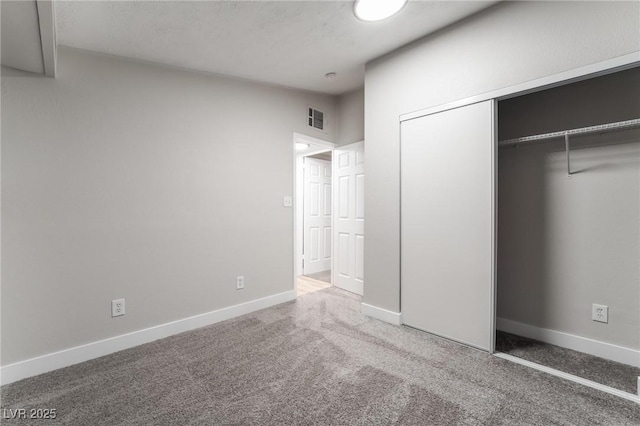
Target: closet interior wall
{"x":565,"y":243}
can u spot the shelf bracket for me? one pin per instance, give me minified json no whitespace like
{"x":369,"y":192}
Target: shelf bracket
{"x":568,"y":150}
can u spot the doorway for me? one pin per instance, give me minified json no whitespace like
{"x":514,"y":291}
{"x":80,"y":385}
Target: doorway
{"x":313,"y":214}
{"x":329,"y":215}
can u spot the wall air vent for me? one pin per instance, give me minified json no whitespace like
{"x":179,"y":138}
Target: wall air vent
{"x":316,"y":119}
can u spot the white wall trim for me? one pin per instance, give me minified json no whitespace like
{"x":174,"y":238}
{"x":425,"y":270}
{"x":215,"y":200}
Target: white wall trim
{"x":589,"y":71}
{"x":570,"y":377}
{"x":583,"y":344}
{"x":299,"y":137}
{"x":64,"y":358}
{"x":394,"y":318}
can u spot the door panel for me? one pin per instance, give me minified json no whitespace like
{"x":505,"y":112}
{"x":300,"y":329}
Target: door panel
{"x":447,"y":224}
{"x":349,"y":218}
{"x":317,"y":216}
{"x":326,"y":201}
{"x":314,"y":200}
{"x":314,"y":243}
{"x":343,"y":255}
{"x":343,"y":191}
{"x":327,"y":243}
{"x":360,"y":197}
{"x":360,"y":257}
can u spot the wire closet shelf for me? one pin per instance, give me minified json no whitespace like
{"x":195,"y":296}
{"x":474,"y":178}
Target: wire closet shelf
{"x":601,"y":128}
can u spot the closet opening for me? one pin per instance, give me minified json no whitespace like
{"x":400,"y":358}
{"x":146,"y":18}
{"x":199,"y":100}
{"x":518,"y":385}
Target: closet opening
{"x":568,"y":229}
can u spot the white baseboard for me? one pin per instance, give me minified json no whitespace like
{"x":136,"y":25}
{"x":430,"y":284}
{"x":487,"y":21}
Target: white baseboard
{"x":64,"y":358}
{"x":571,"y":377}
{"x":590,"y":346}
{"x":394,"y":318}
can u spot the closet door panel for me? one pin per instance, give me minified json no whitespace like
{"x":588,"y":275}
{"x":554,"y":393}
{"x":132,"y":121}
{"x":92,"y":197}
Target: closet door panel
{"x":447,"y":224}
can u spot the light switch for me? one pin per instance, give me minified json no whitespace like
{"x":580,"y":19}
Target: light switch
{"x":288,"y":201}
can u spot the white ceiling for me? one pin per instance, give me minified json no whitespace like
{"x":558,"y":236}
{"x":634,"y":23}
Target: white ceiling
{"x":290,"y":43}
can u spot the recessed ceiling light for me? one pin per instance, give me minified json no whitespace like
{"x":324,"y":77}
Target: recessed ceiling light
{"x":377,"y":10}
{"x":330,"y":75}
{"x":301,"y":146}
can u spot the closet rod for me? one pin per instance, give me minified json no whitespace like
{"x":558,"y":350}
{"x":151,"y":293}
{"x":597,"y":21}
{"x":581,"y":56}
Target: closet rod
{"x":609,"y":127}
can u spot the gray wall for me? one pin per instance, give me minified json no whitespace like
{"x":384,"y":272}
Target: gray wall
{"x":510,"y":43}
{"x":566,"y":243}
{"x":21,"y":43}
{"x":351,"y":117}
{"x":128,"y":180}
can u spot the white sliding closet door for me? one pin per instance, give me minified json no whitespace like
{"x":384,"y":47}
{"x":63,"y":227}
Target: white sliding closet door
{"x":447,"y":224}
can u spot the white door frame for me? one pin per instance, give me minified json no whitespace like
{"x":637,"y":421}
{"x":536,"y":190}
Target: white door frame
{"x":587,"y":72}
{"x":316,"y":146}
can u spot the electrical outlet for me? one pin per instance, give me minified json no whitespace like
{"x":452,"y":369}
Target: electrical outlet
{"x":600,"y":313}
{"x":117,"y":307}
{"x":239,"y":282}
{"x":287,"y":201}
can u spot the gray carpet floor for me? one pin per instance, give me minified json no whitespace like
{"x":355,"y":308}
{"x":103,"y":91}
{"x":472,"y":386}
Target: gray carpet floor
{"x":313,"y":361}
{"x":600,"y":370}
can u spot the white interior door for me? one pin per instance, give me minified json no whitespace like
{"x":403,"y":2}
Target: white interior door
{"x":348,"y":272}
{"x":447,"y":224}
{"x":317,"y":216}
